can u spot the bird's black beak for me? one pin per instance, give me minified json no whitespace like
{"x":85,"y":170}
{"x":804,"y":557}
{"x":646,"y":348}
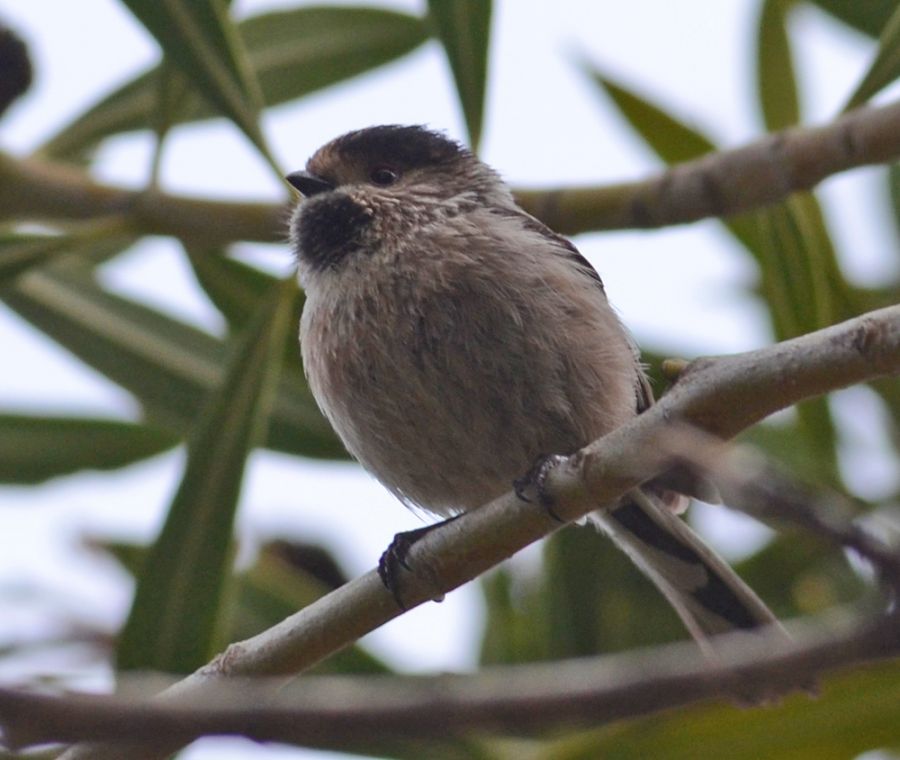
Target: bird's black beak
{"x":309,"y":184}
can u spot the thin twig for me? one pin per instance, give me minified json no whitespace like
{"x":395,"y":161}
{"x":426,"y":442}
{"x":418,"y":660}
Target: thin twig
{"x":750,"y":483}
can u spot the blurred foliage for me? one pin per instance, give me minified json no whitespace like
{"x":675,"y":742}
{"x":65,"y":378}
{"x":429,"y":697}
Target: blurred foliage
{"x":220,"y":396}
{"x":464,"y":29}
{"x":855,"y":713}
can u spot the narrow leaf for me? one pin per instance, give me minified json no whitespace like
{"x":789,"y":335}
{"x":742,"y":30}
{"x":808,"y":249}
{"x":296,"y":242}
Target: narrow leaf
{"x":172,"y":89}
{"x":272,"y":589}
{"x":34,"y":449}
{"x":176,"y":614}
{"x":169,"y":366}
{"x":776,"y":78}
{"x":671,"y":139}
{"x":19,"y":252}
{"x":886,"y":66}
{"x":237,"y":290}
{"x":794,"y":278}
{"x":800,"y":297}
{"x":866,"y":16}
{"x":293,"y":53}
{"x":464,"y":29}
{"x":234,"y":287}
{"x":199,"y":38}
{"x":594,"y":600}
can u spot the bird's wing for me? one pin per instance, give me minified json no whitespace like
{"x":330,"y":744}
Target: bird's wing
{"x":703,"y":589}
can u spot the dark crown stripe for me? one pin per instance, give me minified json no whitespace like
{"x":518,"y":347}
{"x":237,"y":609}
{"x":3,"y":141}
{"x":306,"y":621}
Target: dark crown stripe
{"x":408,"y":147}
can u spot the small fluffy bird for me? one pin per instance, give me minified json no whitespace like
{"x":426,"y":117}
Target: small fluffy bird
{"x":452,"y":339}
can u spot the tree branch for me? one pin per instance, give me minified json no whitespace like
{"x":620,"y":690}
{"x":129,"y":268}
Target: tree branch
{"x":720,"y":396}
{"x":728,"y":182}
{"x":724,"y":183}
{"x":38,"y":191}
{"x":353,"y":713}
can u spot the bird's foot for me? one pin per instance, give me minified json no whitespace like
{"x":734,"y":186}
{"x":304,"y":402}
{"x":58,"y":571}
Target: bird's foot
{"x":396,"y":556}
{"x":534,"y":483}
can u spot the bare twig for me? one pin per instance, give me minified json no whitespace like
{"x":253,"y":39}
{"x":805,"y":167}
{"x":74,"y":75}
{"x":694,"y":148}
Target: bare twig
{"x":721,"y":396}
{"x":750,"y":483}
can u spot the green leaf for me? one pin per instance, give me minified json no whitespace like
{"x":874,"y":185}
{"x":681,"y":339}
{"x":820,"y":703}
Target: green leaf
{"x":199,"y":38}
{"x":867,"y":16}
{"x":272,"y":589}
{"x":797,"y":272}
{"x":798,"y":574}
{"x":776,"y":79}
{"x":886,"y":66}
{"x":293,"y":53}
{"x":671,"y":139}
{"x":509,"y":634}
{"x":589,"y":599}
{"x":20,"y":252}
{"x":176,"y":615}
{"x":172,"y":91}
{"x":597,"y":601}
{"x":855,"y":712}
{"x":169,"y":366}
{"x":464,"y":29}
{"x":235,"y":288}
{"x":34,"y":449}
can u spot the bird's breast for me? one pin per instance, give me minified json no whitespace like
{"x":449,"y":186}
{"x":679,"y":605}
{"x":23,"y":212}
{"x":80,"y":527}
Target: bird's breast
{"x":446,"y":385}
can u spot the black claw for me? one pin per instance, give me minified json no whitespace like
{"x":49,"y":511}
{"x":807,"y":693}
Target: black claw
{"x":397,"y":554}
{"x":536,"y":479}
{"x":521,"y":486}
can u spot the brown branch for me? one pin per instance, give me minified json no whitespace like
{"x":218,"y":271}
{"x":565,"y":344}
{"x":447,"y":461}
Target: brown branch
{"x":720,"y":396}
{"x":724,"y":183}
{"x":354,"y":713}
{"x":728,"y":182}
{"x":38,"y":191}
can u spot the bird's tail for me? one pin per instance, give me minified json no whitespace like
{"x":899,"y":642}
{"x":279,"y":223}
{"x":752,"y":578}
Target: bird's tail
{"x":707,"y":594}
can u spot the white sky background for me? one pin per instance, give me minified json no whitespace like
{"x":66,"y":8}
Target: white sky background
{"x":546,"y":125}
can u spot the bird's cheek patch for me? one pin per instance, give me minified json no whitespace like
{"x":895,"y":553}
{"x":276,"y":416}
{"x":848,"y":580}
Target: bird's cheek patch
{"x":328,"y":229}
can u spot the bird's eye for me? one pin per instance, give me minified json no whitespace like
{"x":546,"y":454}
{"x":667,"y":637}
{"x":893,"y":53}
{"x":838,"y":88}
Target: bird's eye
{"x":384,"y":175}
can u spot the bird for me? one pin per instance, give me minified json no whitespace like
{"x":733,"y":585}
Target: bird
{"x":453,"y":340}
